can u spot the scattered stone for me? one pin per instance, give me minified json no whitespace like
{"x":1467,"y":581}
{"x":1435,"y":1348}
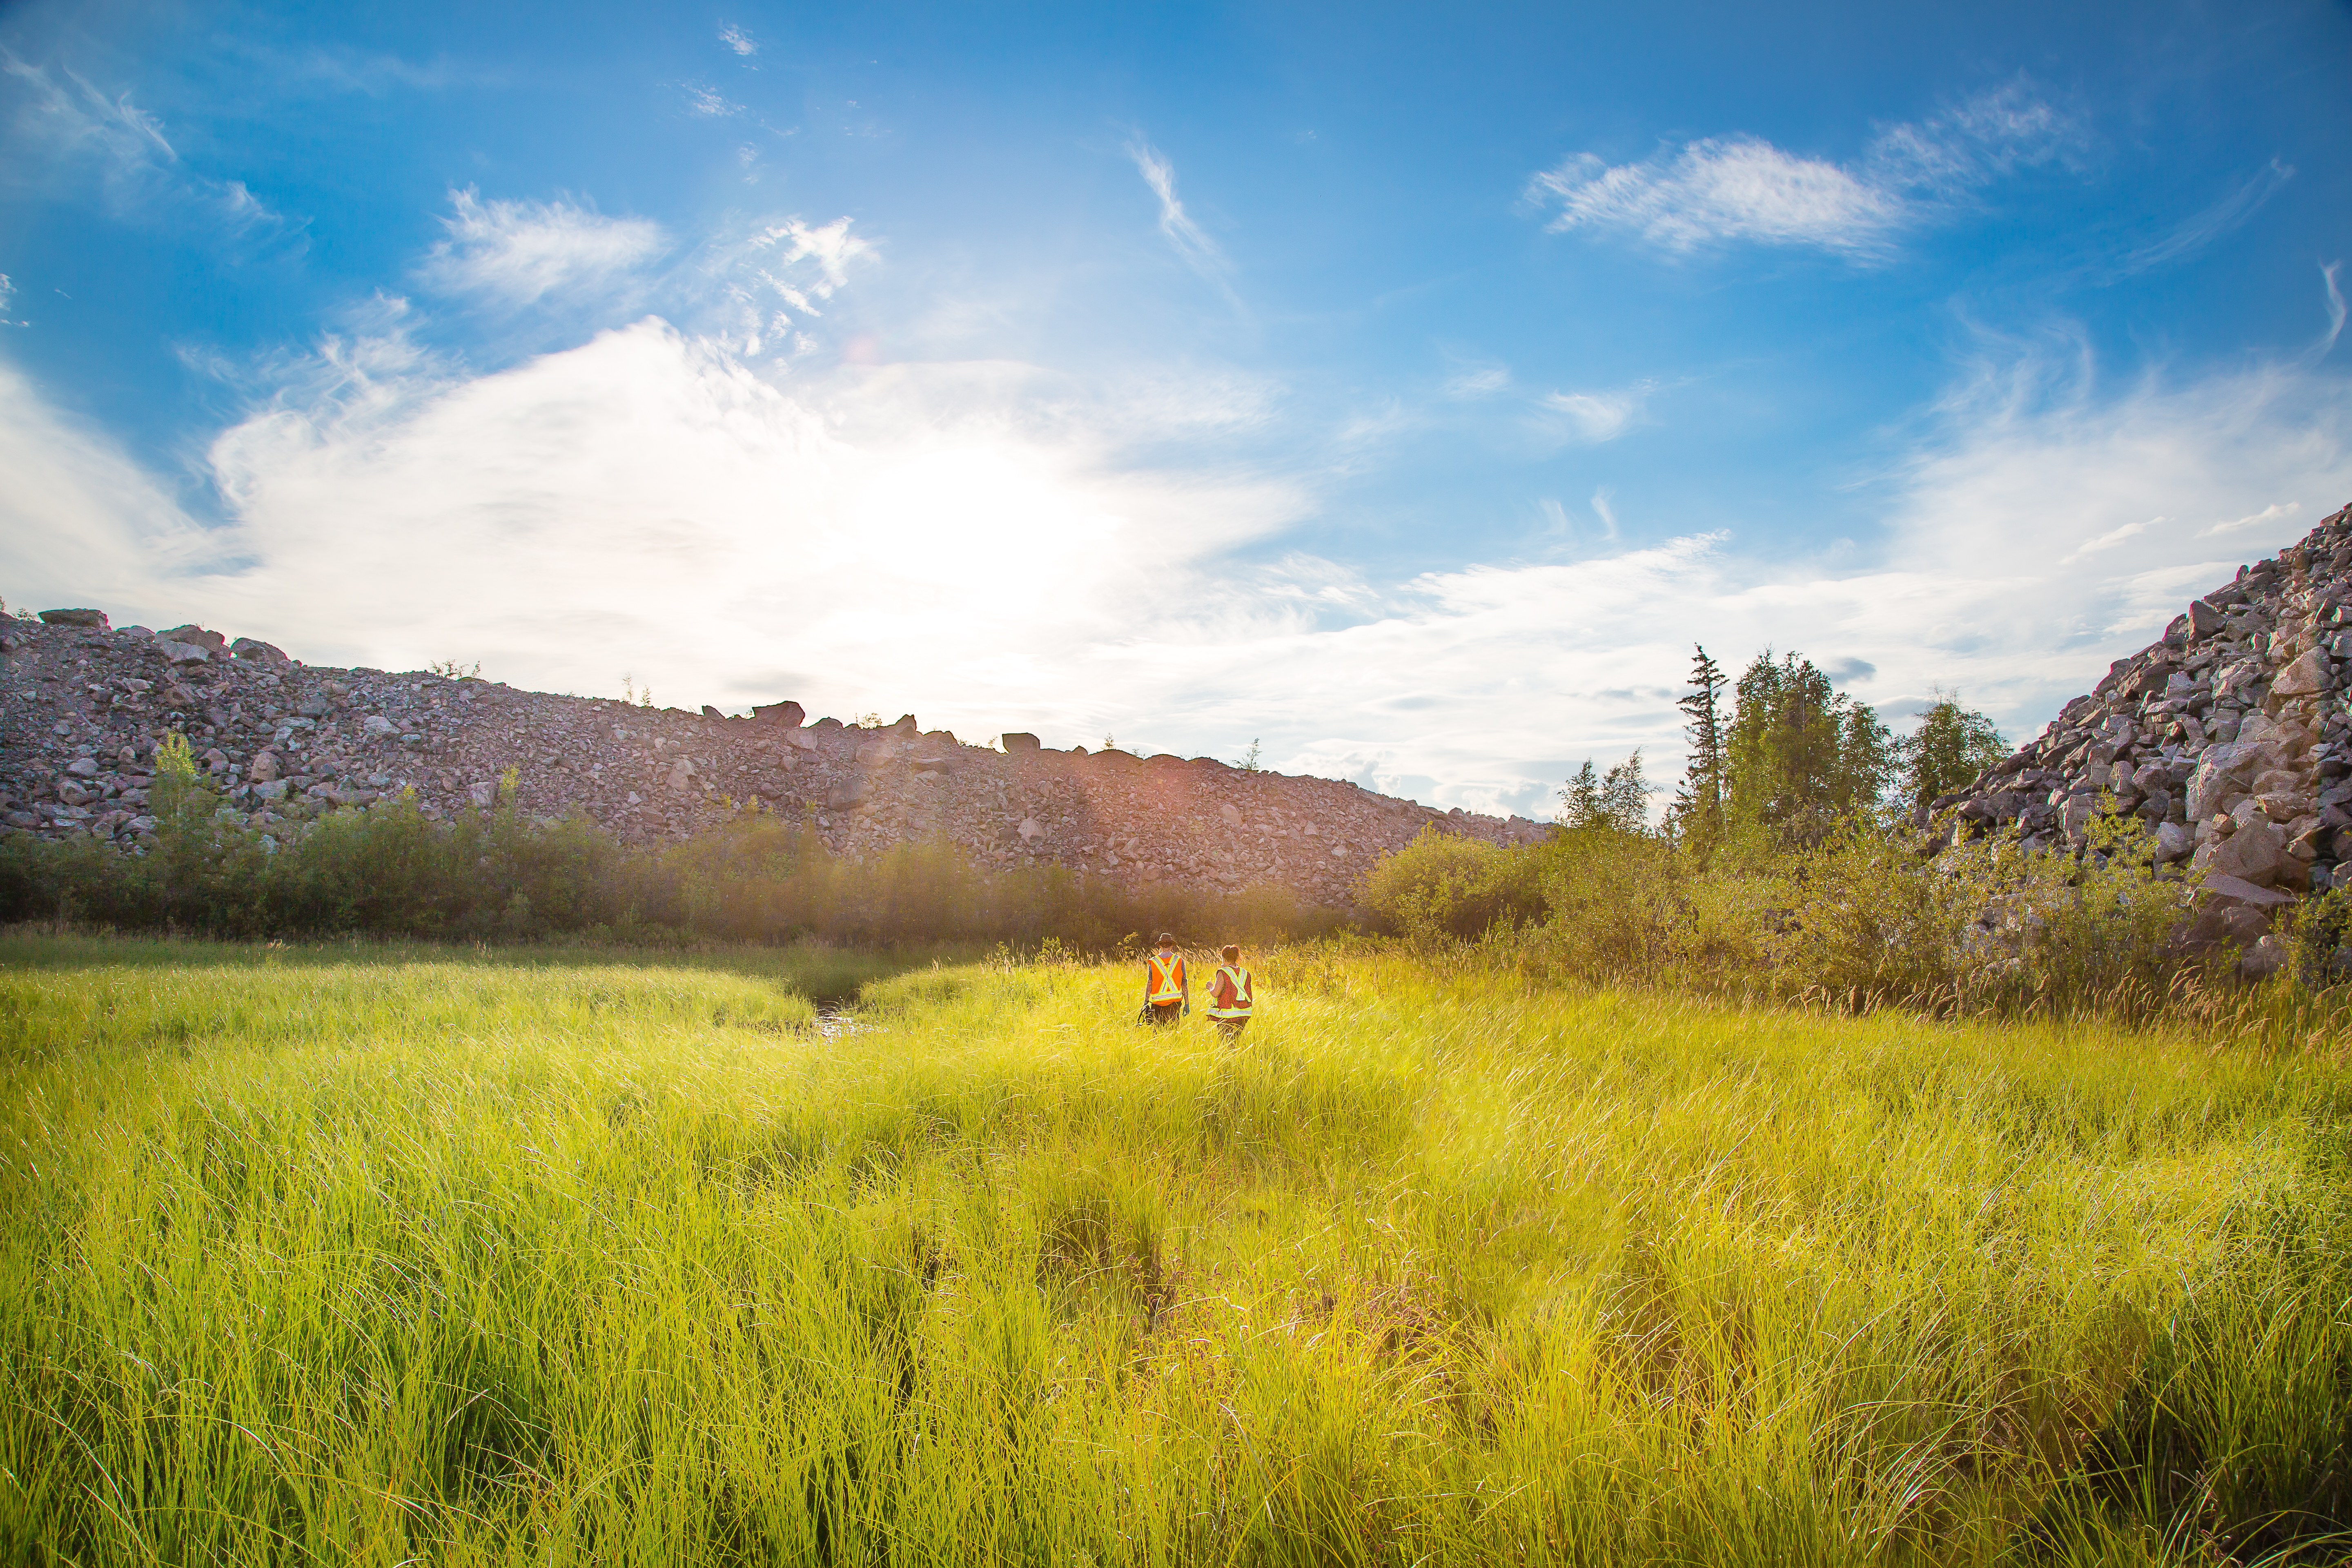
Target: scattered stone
{"x":342,"y":739}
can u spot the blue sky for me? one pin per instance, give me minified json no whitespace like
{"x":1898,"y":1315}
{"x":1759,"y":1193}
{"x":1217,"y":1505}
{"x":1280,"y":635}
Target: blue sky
{"x":1406,"y":389}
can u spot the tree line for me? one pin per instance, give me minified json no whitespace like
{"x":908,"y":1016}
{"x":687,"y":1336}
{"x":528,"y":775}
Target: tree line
{"x":1781,"y":757}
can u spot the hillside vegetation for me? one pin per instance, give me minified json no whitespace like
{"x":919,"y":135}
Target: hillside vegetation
{"x":379,"y":1255}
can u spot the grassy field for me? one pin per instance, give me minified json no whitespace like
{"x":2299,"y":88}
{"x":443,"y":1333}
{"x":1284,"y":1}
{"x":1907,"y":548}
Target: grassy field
{"x":383,"y":1255}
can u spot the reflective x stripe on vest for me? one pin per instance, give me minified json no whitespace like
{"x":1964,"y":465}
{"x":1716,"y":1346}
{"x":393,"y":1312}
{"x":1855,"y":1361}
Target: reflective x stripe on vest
{"x":1243,"y":998}
{"x":1167,"y":980}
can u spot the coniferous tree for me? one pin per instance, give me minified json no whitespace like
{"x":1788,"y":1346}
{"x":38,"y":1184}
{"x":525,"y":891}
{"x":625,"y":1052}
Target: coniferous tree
{"x":1697,"y":813}
{"x":1798,"y":754}
{"x":1952,"y":745}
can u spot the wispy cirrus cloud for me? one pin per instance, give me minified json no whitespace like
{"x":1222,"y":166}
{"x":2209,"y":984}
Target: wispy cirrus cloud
{"x":2274,"y":515}
{"x":738,"y":39}
{"x":66,"y":131}
{"x":1742,"y":188}
{"x":2109,"y":540}
{"x":1590,"y":418}
{"x":2196,"y":233}
{"x":1200,"y":252}
{"x":518,"y":253}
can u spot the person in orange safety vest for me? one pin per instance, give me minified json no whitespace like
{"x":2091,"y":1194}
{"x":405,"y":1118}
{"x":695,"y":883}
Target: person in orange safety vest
{"x":1167,"y":989}
{"x":1230,"y":995}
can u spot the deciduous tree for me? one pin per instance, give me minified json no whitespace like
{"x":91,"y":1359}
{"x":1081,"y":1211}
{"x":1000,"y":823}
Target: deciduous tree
{"x":1952,"y":745}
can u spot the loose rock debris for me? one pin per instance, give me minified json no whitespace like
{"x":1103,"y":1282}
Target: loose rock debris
{"x":83,"y":705}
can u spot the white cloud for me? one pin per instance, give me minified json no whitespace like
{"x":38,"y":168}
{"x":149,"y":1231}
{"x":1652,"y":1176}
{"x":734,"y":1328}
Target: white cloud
{"x":2203,"y":230}
{"x":1590,"y":418}
{"x":78,"y":517}
{"x":1602,"y":509}
{"x":519,"y":253}
{"x":702,"y":101}
{"x":2110,"y":539}
{"x":1742,"y":188}
{"x":961,"y":540}
{"x":831,"y":247}
{"x":2319,"y":350}
{"x":737,"y":39}
{"x":1200,"y":253}
{"x":80,"y":133}
{"x":2276,"y":512}
{"x":1470,"y":384}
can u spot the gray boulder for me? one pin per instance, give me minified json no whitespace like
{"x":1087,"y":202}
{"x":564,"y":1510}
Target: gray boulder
{"x":197,"y":636}
{"x":2256,"y":853}
{"x":252,"y":650}
{"x":2270,"y":956}
{"x":1018,"y":740}
{"x":75,"y":618}
{"x":2226,"y":890}
{"x":2306,"y":677}
{"x":2224,"y":769}
{"x":791,"y":715}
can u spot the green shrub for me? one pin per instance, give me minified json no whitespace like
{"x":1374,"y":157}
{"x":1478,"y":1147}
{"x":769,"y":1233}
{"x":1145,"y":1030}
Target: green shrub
{"x":1859,"y":916}
{"x":390,"y":870}
{"x":1442,"y":885}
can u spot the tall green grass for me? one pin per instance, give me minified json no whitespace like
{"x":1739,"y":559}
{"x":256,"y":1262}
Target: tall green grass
{"x":385,"y":1258}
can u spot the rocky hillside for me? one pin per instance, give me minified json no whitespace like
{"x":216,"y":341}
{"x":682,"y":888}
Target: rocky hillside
{"x":2229,"y":736}
{"x":82,"y":705}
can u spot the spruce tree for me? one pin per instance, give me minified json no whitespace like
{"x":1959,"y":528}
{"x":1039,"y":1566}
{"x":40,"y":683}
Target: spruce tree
{"x":1698,"y":815}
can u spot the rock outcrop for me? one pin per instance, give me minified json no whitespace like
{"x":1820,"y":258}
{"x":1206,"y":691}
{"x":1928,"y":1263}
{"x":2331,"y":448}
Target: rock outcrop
{"x":2228,"y":737}
{"x":82,"y":706}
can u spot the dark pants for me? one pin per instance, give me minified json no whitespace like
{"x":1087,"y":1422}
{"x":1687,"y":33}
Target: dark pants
{"x":1232,"y":1028}
{"x":1167,"y":1012}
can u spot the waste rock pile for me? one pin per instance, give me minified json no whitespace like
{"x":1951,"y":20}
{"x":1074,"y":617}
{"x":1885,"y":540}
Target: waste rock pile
{"x":2228,"y":737}
{"x":83,"y":705}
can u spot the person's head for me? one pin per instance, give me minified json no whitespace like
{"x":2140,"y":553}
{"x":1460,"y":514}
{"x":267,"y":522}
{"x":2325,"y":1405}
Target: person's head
{"x":1232,"y":955}
{"x":1167,"y":941}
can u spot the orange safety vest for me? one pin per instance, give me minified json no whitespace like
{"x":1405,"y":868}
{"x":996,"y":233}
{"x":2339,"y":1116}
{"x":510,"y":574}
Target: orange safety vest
{"x":1239,"y":979}
{"x":1165,"y":982}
